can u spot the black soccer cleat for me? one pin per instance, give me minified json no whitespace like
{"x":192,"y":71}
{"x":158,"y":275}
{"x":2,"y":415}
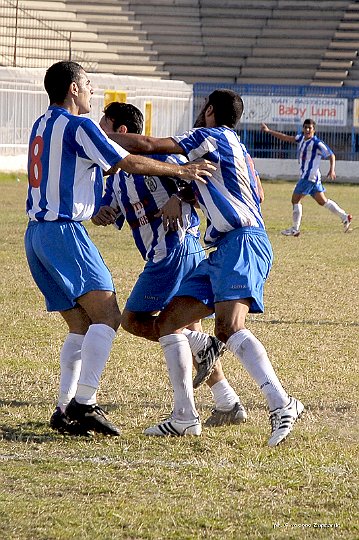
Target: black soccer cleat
{"x":61,"y":423}
{"x":206,"y":360}
{"x":91,"y":418}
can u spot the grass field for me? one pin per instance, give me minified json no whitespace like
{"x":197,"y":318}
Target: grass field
{"x":226,"y":484}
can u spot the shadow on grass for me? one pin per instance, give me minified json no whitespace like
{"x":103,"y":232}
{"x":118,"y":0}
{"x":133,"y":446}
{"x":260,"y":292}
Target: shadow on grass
{"x":308,"y":322}
{"x":14,"y":403}
{"x":27,"y":432}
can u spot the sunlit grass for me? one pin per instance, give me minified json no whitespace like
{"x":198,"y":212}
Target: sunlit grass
{"x":227,"y":484}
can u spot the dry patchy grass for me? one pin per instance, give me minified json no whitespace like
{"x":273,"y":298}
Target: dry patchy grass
{"x":226,"y":484}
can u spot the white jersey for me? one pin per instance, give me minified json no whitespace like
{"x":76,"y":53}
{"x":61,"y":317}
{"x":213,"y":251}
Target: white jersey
{"x":310,"y":152}
{"x":229,"y":199}
{"x":67,"y":154}
{"x":138,"y":199}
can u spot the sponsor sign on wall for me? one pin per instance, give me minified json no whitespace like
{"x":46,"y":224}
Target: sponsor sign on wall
{"x":294,"y":110}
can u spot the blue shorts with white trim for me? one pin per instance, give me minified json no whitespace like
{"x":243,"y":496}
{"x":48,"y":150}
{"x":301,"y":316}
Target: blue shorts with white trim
{"x":236,"y":270}
{"x":306,"y":187}
{"x":64,"y":263}
{"x":159,"y":282}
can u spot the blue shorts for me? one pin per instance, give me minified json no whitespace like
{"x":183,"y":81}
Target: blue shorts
{"x":305,"y":187}
{"x":237,"y":269}
{"x":64,"y":263}
{"x":159,"y":282}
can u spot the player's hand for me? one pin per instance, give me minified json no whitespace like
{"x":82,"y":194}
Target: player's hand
{"x":105,"y":216}
{"x":331,"y":175}
{"x":264,"y":127}
{"x":171,"y":214}
{"x":197,"y":170}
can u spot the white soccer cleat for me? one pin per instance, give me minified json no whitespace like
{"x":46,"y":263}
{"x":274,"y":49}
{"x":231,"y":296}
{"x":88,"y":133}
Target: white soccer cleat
{"x":175,"y":428}
{"x":346,"y":222}
{"x":282,"y":420}
{"x":290,"y":232}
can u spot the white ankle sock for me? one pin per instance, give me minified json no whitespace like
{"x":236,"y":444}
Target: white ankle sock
{"x":335,"y":209}
{"x":197,"y":340}
{"x":297,"y":215}
{"x":70,"y":366}
{"x":95,"y":351}
{"x":179,"y":364}
{"x":224,"y":395}
{"x":254,"y":358}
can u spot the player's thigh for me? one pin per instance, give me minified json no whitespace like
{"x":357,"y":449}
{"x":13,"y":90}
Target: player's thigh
{"x":101,"y":307}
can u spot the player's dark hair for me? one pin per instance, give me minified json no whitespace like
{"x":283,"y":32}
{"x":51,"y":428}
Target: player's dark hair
{"x":125,"y":114}
{"x":227,"y":107}
{"x":58,"y":78}
{"x":309,"y":122}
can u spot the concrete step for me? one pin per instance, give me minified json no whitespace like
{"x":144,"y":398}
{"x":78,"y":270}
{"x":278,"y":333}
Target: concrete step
{"x":340,"y":54}
{"x":297,"y":33}
{"x":133,"y":70}
{"x":351,"y":45}
{"x":265,"y":61}
{"x":339,"y":64}
{"x":325,"y":83}
{"x":201,"y":70}
{"x":279,"y":72}
{"x":273,"y":80}
{"x":335,"y":74}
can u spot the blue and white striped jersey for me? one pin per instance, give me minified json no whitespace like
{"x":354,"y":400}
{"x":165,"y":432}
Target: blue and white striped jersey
{"x":229,"y":200}
{"x":310,"y":152}
{"x":67,"y":154}
{"x":138,"y":199}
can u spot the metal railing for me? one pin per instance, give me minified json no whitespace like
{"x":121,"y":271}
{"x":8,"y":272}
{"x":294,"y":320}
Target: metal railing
{"x":26,"y":40}
{"x":285,"y":107}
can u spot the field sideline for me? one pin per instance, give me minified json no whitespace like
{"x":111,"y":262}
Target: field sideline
{"x":226,"y":484}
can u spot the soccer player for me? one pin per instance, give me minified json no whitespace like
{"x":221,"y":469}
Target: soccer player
{"x":165,"y":230}
{"x":230,"y":281}
{"x":67,"y":156}
{"x":311,"y":150}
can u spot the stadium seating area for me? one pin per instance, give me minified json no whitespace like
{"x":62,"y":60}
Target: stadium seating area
{"x":257,"y":42}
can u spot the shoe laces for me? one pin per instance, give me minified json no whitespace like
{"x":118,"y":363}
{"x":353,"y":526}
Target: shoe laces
{"x":97,"y":409}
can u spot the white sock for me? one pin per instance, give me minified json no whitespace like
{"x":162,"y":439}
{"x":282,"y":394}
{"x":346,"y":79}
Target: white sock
{"x":178,"y":357}
{"x":197,"y":340}
{"x":250,"y":351}
{"x":95,"y":351}
{"x":297,"y":215}
{"x":70,"y":366}
{"x":335,"y":209}
{"x":224,"y":395}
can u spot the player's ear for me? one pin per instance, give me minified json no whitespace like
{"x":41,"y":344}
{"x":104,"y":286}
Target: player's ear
{"x":74,"y":88}
{"x":122,"y":129}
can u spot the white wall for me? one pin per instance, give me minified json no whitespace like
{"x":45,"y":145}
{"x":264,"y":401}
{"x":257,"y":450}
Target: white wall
{"x":288,"y":169}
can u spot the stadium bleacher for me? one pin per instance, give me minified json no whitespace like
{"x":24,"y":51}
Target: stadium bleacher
{"x":259,"y":42}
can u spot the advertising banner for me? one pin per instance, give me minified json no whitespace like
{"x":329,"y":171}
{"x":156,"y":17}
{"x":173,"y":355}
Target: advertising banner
{"x":294,"y":110}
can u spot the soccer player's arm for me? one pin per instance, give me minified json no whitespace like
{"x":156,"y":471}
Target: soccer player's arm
{"x":260,"y":189}
{"x":142,"y":144}
{"x":109,"y":211}
{"x":277,"y":134}
{"x":331,"y":174}
{"x":136,"y":164}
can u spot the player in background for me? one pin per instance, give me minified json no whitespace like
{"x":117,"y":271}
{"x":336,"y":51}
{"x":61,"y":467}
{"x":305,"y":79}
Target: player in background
{"x":311,"y":150}
{"x":67,"y":156}
{"x":230,"y":281}
{"x":165,"y":230}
